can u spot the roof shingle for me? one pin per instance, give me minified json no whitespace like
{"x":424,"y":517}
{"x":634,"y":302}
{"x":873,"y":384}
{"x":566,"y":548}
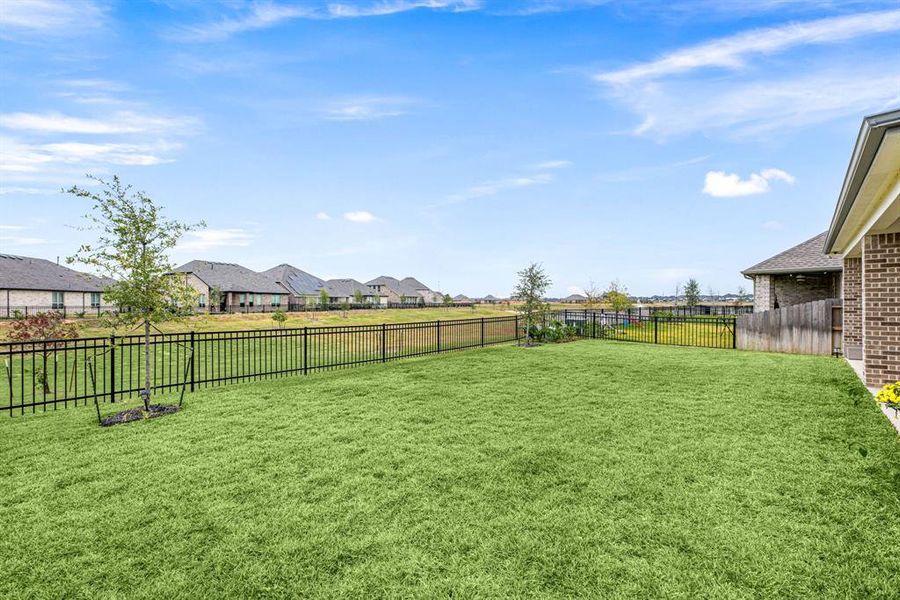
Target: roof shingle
{"x":27,"y":273}
{"x":806,"y":257}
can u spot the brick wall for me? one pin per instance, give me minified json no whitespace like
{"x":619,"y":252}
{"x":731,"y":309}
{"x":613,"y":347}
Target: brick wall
{"x":789,"y":290}
{"x":852,"y":301}
{"x":881,"y":308}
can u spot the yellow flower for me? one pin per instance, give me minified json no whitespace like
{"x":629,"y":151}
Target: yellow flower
{"x":889,"y":394}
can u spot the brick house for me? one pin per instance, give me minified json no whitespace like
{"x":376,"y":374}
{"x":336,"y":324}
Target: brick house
{"x":238,"y":288}
{"x":865,"y":235}
{"x":30,"y":284}
{"x":800,"y":274}
{"x":408,"y":290}
{"x":302,"y":288}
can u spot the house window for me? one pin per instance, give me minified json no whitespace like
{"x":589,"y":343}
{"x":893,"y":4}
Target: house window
{"x":58,"y":300}
{"x":242,"y":299}
{"x":276,"y":299}
{"x":95,"y":299}
{"x":201,"y":300}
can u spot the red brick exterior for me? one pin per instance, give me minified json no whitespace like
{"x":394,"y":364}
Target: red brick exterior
{"x":881,"y":308}
{"x":852,"y":302}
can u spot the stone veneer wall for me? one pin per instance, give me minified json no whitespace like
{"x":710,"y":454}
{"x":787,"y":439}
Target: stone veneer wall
{"x":852,"y":312}
{"x":881,"y":308}
{"x":762,"y":293}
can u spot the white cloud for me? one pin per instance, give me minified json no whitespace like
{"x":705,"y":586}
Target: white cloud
{"x":23,"y":190}
{"x":323,"y":216}
{"x":360,"y":216}
{"x":14,"y":240}
{"x":758,"y":94}
{"x":368,"y":108}
{"x":745,"y":109}
{"x":728,"y":185}
{"x":116,"y":123}
{"x":16,"y":156}
{"x":206,"y":239}
{"x":49,"y":16}
{"x":262,"y":15}
{"x":732,"y":52}
{"x":490,"y":188}
{"x":553,"y":164}
{"x":773,"y":225}
{"x":12,"y":227}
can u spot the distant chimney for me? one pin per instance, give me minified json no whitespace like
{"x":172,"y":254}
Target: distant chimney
{"x":57,"y":261}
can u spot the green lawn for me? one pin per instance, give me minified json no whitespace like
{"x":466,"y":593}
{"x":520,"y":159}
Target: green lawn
{"x":585,"y":469}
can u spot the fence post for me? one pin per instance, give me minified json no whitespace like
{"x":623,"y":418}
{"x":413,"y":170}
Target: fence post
{"x":482,"y":330}
{"x":593,"y":325}
{"x":112,"y":369}
{"x":439,"y":335}
{"x":655,"y":329}
{"x":734,"y":334}
{"x":191,"y":358}
{"x":305,"y":361}
{"x":383,"y":342}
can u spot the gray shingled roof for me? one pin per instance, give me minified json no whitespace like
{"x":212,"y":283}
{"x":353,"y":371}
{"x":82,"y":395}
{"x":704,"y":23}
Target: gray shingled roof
{"x":299,"y":282}
{"x":802,"y":258}
{"x":27,"y":273}
{"x":407,"y":287}
{"x":346,"y":288}
{"x":461,"y":298}
{"x":231,"y":277}
{"x":575,"y":297}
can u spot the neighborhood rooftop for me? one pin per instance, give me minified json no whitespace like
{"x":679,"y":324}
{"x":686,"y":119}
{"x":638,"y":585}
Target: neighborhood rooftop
{"x":230,"y":277}
{"x":297,"y":281}
{"x":26,"y":273}
{"x":806,"y":257}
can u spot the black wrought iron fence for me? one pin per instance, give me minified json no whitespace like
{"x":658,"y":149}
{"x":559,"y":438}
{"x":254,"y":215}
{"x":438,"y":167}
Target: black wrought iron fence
{"x":60,"y":373}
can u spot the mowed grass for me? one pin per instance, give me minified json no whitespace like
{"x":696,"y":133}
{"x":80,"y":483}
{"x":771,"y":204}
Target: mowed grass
{"x":578,"y":470}
{"x":91,"y":327}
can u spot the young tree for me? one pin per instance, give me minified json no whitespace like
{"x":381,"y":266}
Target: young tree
{"x":616,"y":296}
{"x":447,"y":299}
{"x":279,"y":316}
{"x":323,"y":298}
{"x":215,"y":298}
{"x":741,"y":296}
{"x":530,"y":290}
{"x":39,"y":327}
{"x":592,"y":295}
{"x":133,"y":241}
{"x":692,"y":292}
{"x":358,"y":296}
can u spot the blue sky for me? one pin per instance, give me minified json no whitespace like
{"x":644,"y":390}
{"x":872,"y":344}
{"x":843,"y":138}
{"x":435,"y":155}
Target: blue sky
{"x":452,"y":140}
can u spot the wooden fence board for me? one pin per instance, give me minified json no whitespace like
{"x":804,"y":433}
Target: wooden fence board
{"x":811,"y":328}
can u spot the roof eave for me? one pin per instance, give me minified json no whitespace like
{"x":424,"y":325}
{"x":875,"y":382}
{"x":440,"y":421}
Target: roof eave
{"x":871,"y":133}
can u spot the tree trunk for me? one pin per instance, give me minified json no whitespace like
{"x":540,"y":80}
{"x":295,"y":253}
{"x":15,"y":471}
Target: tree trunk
{"x":146,"y":393}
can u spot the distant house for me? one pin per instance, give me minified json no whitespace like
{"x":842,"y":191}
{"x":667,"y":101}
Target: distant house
{"x":237,"y":287}
{"x":397,"y":291}
{"x":575,"y":299}
{"x":490,"y":299}
{"x":461,"y":298}
{"x":303,"y":288}
{"x":865,"y":236}
{"x":30,"y":284}
{"x":345,"y":291}
{"x":800,"y":274}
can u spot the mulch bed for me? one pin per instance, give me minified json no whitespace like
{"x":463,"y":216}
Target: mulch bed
{"x":139,"y":414}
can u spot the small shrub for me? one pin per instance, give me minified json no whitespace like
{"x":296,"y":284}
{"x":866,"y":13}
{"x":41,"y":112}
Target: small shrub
{"x":279,"y":316}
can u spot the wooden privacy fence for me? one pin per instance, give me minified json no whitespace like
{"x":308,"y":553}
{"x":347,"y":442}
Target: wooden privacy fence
{"x":810,"y":328}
